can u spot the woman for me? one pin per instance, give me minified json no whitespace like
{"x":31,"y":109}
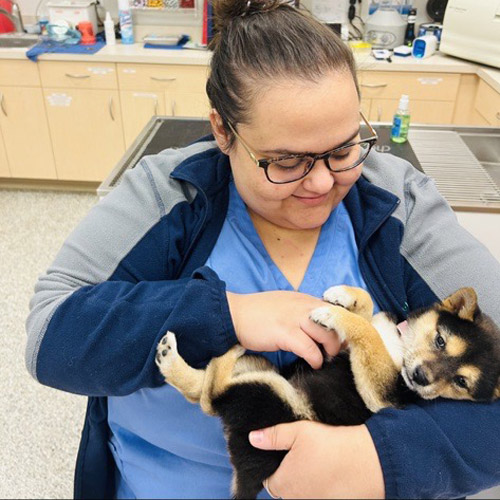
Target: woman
{"x":234,"y":241}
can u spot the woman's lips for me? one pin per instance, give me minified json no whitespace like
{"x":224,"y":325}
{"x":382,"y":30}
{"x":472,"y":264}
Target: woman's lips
{"x":312,"y":200}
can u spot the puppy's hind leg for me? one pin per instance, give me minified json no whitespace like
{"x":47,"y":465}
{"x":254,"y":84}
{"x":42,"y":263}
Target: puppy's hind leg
{"x":176,"y":371}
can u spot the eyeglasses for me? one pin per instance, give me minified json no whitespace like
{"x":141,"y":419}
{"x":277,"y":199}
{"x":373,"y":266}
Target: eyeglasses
{"x":293,"y":167}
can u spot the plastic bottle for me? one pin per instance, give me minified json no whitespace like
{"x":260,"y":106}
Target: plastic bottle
{"x":410,"y":28}
{"x":401,"y":121}
{"x":126,"y":27}
{"x":109,"y":30}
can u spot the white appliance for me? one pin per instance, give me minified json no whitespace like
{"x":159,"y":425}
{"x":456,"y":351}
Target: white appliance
{"x":73,"y":12}
{"x":471,"y":30}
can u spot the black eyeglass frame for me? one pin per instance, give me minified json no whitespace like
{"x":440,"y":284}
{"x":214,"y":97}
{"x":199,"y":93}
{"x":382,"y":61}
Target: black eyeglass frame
{"x":265,"y":162}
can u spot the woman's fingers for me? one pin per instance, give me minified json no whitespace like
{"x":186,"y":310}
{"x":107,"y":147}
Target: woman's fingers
{"x":303,"y":346}
{"x":327,"y":338}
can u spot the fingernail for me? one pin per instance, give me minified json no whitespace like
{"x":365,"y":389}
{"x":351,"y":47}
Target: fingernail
{"x":256,"y":437}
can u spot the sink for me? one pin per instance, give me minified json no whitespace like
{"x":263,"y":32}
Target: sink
{"x":17,"y":40}
{"x":486,"y":148}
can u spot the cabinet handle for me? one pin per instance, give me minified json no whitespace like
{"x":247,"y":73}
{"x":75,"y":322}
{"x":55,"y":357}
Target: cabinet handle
{"x":158,"y":79}
{"x":173,"y":108}
{"x":69,"y":75}
{"x":379,"y":114}
{"x":498,"y":115}
{"x":2,"y":104}
{"x":374,"y":85}
{"x":111,"y":108}
{"x":156,"y":105}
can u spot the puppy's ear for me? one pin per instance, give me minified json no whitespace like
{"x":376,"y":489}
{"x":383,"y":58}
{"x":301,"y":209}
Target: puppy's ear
{"x":463,"y":303}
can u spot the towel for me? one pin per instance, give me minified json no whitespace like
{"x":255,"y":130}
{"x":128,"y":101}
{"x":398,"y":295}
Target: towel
{"x":50,"y":46}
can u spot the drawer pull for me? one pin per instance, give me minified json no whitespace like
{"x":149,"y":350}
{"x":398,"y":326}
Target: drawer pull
{"x":158,"y":79}
{"x":111,"y":109}
{"x":2,"y":104}
{"x":173,"y":108}
{"x":498,"y":115}
{"x":156,"y":105}
{"x":69,"y":75}
{"x":374,"y":85}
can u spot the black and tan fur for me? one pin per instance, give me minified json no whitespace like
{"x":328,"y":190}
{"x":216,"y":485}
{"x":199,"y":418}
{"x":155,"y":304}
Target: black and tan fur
{"x":450,"y":350}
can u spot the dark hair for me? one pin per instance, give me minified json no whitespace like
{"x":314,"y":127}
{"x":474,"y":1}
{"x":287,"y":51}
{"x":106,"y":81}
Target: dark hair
{"x":259,"y":41}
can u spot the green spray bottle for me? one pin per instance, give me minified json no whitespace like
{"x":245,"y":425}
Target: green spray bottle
{"x":401,"y":121}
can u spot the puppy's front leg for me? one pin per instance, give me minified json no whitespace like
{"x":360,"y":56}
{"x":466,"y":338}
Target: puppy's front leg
{"x":375,"y":373}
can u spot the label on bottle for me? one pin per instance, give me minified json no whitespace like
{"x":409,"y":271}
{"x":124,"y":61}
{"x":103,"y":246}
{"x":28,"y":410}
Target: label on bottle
{"x":396,"y":126}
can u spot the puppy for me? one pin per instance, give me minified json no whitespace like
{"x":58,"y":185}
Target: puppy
{"x":450,"y":350}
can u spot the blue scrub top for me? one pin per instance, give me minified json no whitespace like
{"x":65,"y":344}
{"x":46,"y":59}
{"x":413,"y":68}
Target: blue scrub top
{"x":166,"y":447}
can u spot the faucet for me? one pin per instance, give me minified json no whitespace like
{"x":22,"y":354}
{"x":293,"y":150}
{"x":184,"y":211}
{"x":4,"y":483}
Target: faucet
{"x":14,"y":16}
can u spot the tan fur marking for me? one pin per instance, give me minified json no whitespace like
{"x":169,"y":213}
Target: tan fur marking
{"x":496,"y":394}
{"x":455,"y":346}
{"x":186,"y":379}
{"x":463,"y":303}
{"x":471,"y":373}
{"x":218,"y":375}
{"x":295,"y":398}
{"x":373,"y":368}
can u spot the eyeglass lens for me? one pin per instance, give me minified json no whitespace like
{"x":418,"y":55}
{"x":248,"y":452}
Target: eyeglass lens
{"x":291,"y":169}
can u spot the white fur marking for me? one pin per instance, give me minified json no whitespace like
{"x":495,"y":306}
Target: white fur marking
{"x":389,"y":334}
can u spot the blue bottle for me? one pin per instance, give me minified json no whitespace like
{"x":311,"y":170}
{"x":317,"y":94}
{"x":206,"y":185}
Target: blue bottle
{"x":126,"y":27}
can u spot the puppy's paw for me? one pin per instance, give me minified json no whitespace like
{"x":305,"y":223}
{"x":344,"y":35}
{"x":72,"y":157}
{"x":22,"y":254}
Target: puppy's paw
{"x":166,"y":354}
{"x":329,"y":318}
{"x":340,"y":296}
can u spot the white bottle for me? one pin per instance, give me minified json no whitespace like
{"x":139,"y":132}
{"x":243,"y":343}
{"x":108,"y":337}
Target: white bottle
{"x":126,"y":28}
{"x":109,"y":30}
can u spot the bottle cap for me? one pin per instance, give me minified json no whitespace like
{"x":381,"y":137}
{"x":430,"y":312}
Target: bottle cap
{"x":404,"y":102}
{"x":123,"y":5}
{"x":108,"y":17}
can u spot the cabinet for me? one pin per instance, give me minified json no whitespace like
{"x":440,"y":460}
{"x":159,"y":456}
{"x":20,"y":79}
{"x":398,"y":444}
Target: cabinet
{"x":4,"y":166}
{"x":23,"y":123}
{"x":84,"y":116}
{"x":149,"y":89}
{"x":487,"y":104}
{"x":432,"y":95}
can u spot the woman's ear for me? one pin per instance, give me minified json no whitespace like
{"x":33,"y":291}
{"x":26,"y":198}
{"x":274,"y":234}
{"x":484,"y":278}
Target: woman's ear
{"x":219,"y":131}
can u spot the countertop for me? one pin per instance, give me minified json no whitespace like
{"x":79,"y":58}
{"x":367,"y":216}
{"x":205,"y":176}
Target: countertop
{"x":136,"y":53}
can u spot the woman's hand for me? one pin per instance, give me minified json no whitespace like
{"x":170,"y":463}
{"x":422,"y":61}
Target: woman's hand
{"x":272,"y":321}
{"x":323,"y":461}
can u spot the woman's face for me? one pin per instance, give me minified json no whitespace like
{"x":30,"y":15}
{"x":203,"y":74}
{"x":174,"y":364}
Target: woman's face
{"x":296,"y":116}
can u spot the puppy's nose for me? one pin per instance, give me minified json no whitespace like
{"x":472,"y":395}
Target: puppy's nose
{"x":419,"y":376}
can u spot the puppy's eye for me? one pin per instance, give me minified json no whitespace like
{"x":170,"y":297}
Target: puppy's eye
{"x":440,"y":342}
{"x":460,"y":381}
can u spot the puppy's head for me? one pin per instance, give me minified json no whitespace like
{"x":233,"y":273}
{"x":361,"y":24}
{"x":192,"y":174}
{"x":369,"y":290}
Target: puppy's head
{"x":452,"y":350}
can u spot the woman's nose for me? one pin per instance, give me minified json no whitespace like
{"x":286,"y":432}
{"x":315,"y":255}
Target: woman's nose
{"x":320,"y":179}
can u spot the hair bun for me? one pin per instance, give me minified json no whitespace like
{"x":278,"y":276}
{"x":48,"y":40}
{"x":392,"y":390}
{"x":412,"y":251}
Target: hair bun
{"x":224,"y":11}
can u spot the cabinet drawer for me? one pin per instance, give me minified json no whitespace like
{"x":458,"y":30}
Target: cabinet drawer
{"x":488,"y":103}
{"x":78,"y":75}
{"x":421,"y":86}
{"x":19,"y":73}
{"x":430,"y":112}
{"x":162,"y":76}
